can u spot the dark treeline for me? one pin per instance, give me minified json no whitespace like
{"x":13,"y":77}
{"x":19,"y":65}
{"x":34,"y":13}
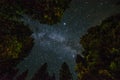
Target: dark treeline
{"x":41,"y":74}
{"x":101,"y":51}
{"x":46,"y":11}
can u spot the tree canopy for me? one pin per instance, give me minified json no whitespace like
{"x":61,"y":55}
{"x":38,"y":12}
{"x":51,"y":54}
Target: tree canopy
{"x":101,"y":51}
{"x":15,"y":43}
{"x":65,"y":73}
{"x":46,"y":11}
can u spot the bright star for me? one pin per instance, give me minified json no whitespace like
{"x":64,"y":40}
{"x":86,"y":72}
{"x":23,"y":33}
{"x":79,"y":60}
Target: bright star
{"x":64,"y":23}
{"x":73,"y":56}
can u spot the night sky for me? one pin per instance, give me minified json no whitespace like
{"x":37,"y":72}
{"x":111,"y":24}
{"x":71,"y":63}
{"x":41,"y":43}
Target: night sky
{"x":59,"y":43}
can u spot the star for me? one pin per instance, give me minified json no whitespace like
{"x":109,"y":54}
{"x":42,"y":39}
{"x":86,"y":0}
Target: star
{"x":64,"y":24}
{"x":73,"y":56}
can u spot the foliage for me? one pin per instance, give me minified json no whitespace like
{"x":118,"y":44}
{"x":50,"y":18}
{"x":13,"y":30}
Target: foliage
{"x":10,"y":47}
{"x":118,"y":3}
{"x":65,"y":73}
{"x":102,"y":51}
{"x":15,"y":43}
{"x":46,"y":11}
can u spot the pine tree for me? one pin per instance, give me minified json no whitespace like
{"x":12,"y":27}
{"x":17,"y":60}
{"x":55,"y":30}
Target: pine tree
{"x":53,"y":77}
{"x":22,"y":76}
{"x":65,"y":73}
{"x":42,"y":73}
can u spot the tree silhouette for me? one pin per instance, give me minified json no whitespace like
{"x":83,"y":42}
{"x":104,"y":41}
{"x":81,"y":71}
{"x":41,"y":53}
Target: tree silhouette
{"x":15,"y":44}
{"x":46,"y":11}
{"x":22,"y":76}
{"x":9,"y":75}
{"x":65,"y":73}
{"x":42,"y":73}
{"x":118,"y":3}
{"x":102,"y":51}
{"x":53,"y":77}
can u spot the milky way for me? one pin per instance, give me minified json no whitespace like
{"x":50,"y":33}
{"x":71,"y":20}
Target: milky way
{"x":59,"y":43}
